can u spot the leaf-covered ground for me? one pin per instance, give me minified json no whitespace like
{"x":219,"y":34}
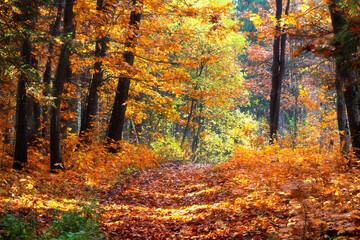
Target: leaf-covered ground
{"x":255,"y":195}
{"x":176,"y":202}
{"x":258,"y":194}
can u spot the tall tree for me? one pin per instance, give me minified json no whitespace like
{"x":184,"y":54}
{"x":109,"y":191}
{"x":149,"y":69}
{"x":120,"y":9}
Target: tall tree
{"x":117,"y":119}
{"x":342,"y":117}
{"x":92,"y":99}
{"x":278,"y":70}
{"x":63,"y":72}
{"x":26,"y":19}
{"x":54,"y":31}
{"x":346,"y":43}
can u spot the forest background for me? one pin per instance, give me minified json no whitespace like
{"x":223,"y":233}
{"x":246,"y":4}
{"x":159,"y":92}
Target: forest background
{"x":92,"y":92}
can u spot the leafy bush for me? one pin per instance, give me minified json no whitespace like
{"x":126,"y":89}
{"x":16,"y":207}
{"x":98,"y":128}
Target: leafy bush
{"x":11,"y":227}
{"x":81,"y":224}
{"x":76,"y":224}
{"x":169,"y":148}
{"x":224,"y":132}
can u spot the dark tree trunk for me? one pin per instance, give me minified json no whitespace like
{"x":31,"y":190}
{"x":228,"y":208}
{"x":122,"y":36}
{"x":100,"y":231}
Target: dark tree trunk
{"x":70,"y":123}
{"x":197,"y":137}
{"x":90,"y":111}
{"x":342,"y":118}
{"x":63,"y":72}
{"x":54,"y":31}
{"x":278,"y":71}
{"x":346,"y":72}
{"x":70,"y":107}
{"x":33,"y":119}
{"x":192,"y":107}
{"x":276,"y":82}
{"x":33,"y":113}
{"x":29,"y":11}
{"x":117,"y":119}
{"x":20,"y":157}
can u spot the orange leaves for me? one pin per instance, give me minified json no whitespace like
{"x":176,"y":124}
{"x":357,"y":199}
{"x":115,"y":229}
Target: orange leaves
{"x":258,"y":193}
{"x":305,"y":185}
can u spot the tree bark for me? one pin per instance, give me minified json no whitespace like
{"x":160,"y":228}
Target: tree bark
{"x":117,"y":119}
{"x":27,"y":16}
{"x":33,"y":119}
{"x":20,"y":157}
{"x":63,"y":72}
{"x":54,"y":31}
{"x":193,"y":103}
{"x":345,"y":50}
{"x":342,"y":118}
{"x":278,"y":71}
{"x":90,"y":111}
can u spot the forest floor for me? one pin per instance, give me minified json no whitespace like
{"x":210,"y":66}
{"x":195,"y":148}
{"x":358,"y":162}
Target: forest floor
{"x":202,"y":201}
{"x":268,"y":194}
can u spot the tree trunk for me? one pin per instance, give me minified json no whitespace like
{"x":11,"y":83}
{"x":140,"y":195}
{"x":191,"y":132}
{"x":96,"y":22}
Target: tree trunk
{"x":342,"y":118}
{"x":33,"y":112}
{"x":20,"y":157}
{"x":29,"y":11}
{"x":193,"y":104}
{"x":54,"y":31}
{"x":278,"y":71}
{"x":197,"y":138}
{"x":33,"y":119}
{"x":346,"y":72}
{"x":90,"y":111}
{"x":117,"y":119}
{"x":192,"y":107}
{"x":63,"y":72}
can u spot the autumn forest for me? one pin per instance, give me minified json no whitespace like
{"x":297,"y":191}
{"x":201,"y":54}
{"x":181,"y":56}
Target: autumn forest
{"x":179,"y":119}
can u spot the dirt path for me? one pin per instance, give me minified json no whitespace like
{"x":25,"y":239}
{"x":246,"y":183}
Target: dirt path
{"x":189,"y":201}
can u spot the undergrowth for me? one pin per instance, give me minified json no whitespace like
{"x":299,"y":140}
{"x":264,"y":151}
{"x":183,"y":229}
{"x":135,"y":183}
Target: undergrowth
{"x":83,"y":223}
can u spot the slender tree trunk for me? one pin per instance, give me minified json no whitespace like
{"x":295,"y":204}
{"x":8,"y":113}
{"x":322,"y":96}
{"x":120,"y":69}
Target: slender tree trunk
{"x":63,"y":72}
{"x":20,"y":157}
{"x":346,"y":72}
{"x":135,"y":132}
{"x":278,"y":71}
{"x":54,"y":31}
{"x":197,"y":137}
{"x":342,"y":118}
{"x":91,"y":106}
{"x":33,"y":119}
{"x":117,"y":119}
{"x":33,"y":113}
{"x":70,"y":105}
{"x":192,"y":107}
{"x":90,"y":111}
{"x":29,"y":11}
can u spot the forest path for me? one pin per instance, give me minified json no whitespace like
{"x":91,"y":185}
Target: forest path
{"x":176,"y":201}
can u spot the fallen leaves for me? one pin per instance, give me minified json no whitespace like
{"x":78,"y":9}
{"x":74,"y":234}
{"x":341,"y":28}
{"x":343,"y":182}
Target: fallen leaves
{"x":270,"y":193}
